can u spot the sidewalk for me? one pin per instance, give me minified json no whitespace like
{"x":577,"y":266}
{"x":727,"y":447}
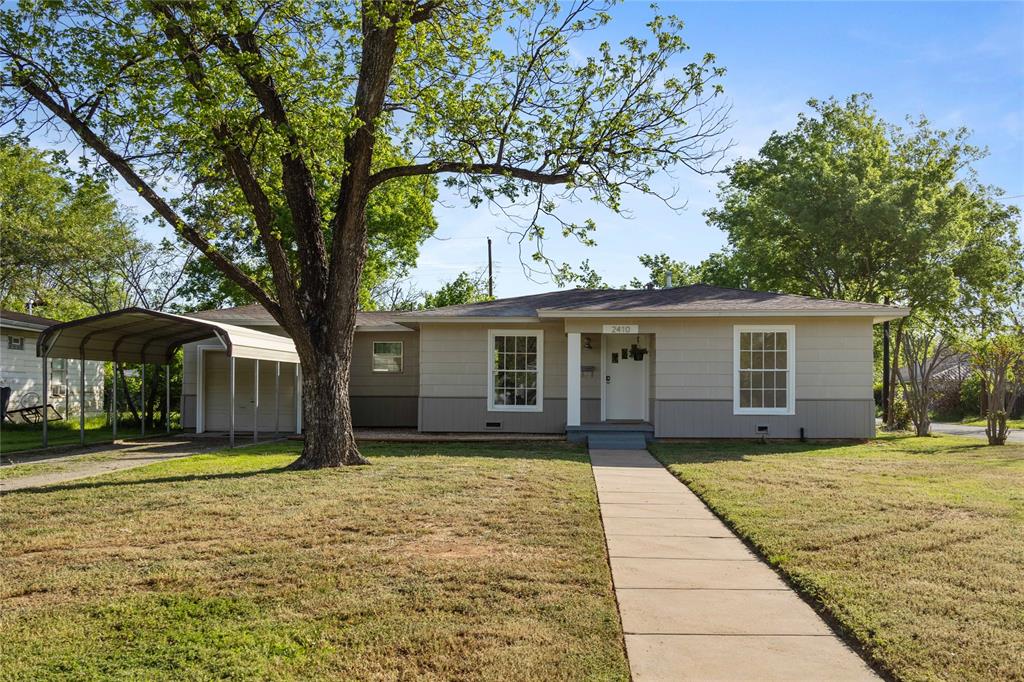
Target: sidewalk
{"x":94,"y":461}
{"x":695,"y":603}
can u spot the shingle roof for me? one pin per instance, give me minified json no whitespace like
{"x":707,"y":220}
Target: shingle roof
{"x":382,"y":321}
{"x":692,"y":299}
{"x":26,"y":320}
{"x":695,"y":299}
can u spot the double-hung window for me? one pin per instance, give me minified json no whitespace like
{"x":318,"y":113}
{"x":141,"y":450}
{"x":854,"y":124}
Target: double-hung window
{"x":764,"y":369}
{"x":387,"y":357}
{"x":58,"y":376}
{"x":515,"y":380}
{"x":15,"y":343}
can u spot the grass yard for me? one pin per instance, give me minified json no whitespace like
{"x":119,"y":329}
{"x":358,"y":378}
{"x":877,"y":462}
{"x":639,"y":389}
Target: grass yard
{"x":1016,"y":424}
{"x":21,"y":437}
{"x":451,"y":561}
{"x":915,"y":546}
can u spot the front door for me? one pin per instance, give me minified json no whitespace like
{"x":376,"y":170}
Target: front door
{"x":625,"y":375}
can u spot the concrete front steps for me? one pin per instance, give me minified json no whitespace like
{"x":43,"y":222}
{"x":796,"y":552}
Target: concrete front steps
{"x":612,"y":435}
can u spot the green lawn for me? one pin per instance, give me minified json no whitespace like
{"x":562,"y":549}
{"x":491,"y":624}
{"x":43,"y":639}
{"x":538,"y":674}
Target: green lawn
{"x":21,"y":437}
{"x":454,"y":561}
{"x":980,"y":421}
{"x":915,"y":546}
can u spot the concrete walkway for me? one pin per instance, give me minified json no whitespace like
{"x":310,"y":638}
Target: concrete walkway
{"x":95,"y":461}
{"x":696,"y":604}
{"x":1016,"y":436}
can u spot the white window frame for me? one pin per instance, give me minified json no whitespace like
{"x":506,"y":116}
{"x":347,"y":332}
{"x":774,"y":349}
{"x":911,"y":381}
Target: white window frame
{"x":539,"y":335}
{"x":11,"y":345}
{"x":790,"y":331}
{"x":401,"y":358}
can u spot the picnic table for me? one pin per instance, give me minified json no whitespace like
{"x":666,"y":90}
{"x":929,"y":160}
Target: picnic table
{"x":33,"y":414}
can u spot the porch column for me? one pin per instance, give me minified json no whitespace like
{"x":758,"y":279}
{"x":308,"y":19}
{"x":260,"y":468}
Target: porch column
{"x":572,"y":392}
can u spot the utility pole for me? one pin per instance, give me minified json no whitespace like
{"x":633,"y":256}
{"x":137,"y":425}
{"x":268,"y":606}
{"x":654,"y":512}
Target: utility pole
{"x":490,"y":271}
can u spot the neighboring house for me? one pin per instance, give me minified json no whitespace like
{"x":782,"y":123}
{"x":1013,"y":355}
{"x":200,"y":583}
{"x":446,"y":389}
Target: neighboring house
{"x":21,"y":369}
{"x":686,"y":362}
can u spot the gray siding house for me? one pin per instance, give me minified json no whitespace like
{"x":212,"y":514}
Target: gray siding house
{"x":686,"y":362}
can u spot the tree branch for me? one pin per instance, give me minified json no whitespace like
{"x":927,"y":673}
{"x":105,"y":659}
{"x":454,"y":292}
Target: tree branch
{"x":157,"y":202}
{"x":437,"y":167}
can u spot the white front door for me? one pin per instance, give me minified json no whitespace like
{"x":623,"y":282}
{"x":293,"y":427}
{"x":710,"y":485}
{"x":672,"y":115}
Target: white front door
{"x":625,"y":376}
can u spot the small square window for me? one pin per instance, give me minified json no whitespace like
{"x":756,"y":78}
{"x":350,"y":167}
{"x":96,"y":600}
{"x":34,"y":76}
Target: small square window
{"x":15,"y":343}
{"x":387,"y":357}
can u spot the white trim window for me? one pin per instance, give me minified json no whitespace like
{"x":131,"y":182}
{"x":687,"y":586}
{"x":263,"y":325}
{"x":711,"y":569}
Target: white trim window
{"x":387,"y":357}
{"x":515,"y":378}
{"x":15,"y":343}
{"x":764,"y":369}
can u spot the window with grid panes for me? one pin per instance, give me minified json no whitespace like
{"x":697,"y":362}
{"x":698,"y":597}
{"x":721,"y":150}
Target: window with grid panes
{"x":764,"y":370}
{"x":515,"y":381}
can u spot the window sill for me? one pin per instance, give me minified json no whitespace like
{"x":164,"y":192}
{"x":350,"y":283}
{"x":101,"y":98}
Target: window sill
{"x":763,"y":411}
{"x":515,"y":408}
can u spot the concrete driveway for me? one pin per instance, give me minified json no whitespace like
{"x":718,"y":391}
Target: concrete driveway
{"x":1015,"y":436}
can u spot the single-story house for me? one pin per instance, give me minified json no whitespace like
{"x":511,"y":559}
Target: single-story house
{"x":687,"y":362}
{"x":21,"y":369}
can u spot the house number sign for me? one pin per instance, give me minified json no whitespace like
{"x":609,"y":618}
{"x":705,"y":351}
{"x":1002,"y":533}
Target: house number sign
{"x":620,"y":329}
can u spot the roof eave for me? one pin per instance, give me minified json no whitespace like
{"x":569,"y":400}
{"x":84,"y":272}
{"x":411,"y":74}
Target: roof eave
{"x":873,"y":313}
{"x":23,"y":326}
{"x":465,"y":319}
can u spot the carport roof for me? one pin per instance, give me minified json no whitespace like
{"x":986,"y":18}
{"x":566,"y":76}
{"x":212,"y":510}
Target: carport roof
{"x":140,"y":335}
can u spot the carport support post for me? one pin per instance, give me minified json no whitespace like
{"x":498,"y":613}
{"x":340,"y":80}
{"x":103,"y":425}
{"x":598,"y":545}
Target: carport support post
{"x":81,"y":401}
{"x":45,"y":394}
{"x":113,"y":402}
{"x":255,"y":401}
{"x":297,"y":392}
{"x":231,"y":400}
{"x":142,"y":400}
{"x":277,"y":398}
{"x":167,"y":398}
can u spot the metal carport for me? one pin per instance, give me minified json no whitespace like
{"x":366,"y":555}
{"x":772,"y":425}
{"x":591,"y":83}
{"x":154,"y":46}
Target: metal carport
{"x":143,"y":336}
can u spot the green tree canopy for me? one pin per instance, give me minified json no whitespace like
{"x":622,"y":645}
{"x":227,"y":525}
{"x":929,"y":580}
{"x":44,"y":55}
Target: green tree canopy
{"x":848,"y":206}
{"x":58,"y":237}
{"x":466,"y":288}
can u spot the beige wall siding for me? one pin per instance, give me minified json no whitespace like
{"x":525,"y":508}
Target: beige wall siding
{"x":454,"y":359}
{"x":366,"y":382}
{"x":370,"y":390}
{"x":217,"y":404}
{"x":23,"y":372}
{"x":834,"y":358}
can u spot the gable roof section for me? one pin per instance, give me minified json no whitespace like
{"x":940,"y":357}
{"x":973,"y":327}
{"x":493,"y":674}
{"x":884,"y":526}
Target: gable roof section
{"x":695,"y":300}
{"x":15,"y":320}
{"x":257,"y":316}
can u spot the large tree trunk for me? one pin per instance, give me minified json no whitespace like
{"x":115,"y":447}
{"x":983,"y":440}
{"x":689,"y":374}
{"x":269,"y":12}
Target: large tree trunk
{"x":326,"y":411}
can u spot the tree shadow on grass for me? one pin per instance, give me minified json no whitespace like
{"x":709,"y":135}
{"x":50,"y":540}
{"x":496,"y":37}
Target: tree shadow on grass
{"x":184,"y":478}
{"x":497,"y":450}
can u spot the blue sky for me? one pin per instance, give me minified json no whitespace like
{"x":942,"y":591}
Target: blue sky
{"x":961,"y":64}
